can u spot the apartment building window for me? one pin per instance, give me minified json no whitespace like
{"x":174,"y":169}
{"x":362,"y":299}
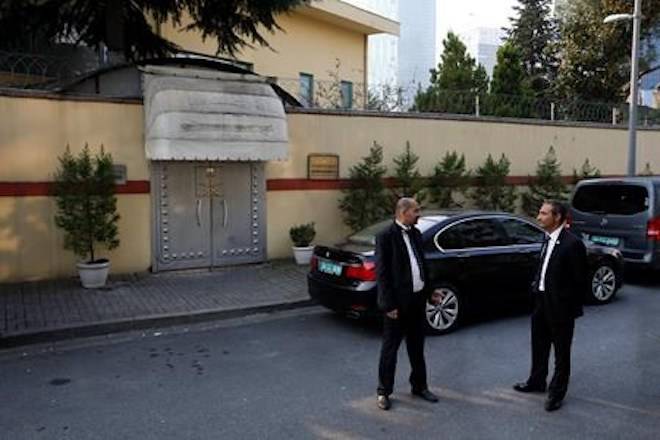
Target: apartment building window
{"x":306,"y":86}
{"x":346,"y":94}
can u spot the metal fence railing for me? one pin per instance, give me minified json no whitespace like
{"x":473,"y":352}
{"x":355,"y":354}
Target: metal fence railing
{"x":37,"y":71}
{"x":389,"y":98}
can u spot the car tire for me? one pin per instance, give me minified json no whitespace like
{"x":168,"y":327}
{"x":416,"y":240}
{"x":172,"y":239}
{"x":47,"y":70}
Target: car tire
{"x":602,"y":284}
{"x":448,"y":315}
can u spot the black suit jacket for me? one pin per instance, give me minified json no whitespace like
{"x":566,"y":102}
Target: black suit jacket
{"x":395,"y":288}
{"x":566,"y":278}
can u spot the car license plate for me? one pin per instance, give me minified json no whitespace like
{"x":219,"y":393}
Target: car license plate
{"x":605,"y":241}
{"x":329,"y":267}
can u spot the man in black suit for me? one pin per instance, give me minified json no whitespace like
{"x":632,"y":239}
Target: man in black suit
{"x":402,"y":295}
{"x":559,"y":287}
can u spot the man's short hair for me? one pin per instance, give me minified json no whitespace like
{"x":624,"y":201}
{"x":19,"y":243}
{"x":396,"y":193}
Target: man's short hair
{"x":404,"y":204}
{"x":558,"y":208}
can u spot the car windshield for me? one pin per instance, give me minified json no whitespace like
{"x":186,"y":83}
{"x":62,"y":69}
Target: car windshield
{"x":367,"y":236}
{"x":611,"y":199}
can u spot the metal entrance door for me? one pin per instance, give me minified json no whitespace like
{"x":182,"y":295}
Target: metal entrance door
{"x":208,"y":214}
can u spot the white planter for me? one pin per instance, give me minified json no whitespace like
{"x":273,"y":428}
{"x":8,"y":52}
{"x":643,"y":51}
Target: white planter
{"x":93,"y":275}
{"x":303,"y":255}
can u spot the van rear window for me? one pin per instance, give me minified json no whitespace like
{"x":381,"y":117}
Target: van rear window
{"x":611,"y":199}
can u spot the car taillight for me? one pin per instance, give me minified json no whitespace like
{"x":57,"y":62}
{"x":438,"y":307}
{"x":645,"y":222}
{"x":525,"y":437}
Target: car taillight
{"x":653,"y":229}
{"x":569,"y":220}
{"x":313,"y":263}
{"x":364,"y":272}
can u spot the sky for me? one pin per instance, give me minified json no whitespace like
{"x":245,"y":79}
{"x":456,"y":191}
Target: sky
{"x":462,"y":15}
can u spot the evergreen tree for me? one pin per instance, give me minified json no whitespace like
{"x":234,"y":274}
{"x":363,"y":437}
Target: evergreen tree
{"x":86,"y":202}
{"x":534,"y":32}
{"x":587,"y":171}
{"x":455,"y":81}
{"x":491,"y":191}
{"x":546,"y":186}
{"x":595,"y":57}
{"x":450,"y":176}
{"x":409,"y":180}
{"x":132,"y":26}
{"x":366,"y":201}
{"x":509,"y":88}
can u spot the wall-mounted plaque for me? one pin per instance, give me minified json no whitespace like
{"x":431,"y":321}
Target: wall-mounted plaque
{"x":323,"y":166}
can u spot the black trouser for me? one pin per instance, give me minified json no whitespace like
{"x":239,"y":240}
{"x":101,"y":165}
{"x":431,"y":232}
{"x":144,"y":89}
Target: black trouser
{"x":409,"y":325}
{"x":550,"y":330}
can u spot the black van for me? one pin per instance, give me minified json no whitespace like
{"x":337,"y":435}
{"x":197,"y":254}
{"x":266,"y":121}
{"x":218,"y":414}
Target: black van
{"x":620,"y":212}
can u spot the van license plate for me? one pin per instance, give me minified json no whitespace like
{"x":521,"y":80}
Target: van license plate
{"x":330,"y":268}
{"x":605,"y":241}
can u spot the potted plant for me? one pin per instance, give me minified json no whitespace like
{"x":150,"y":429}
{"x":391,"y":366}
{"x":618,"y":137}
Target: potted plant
{"x":302,"y":236}
{"x":87,"y":210}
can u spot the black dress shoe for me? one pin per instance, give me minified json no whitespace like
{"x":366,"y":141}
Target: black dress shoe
{"x":524,"y":387}
{"x":552,"y":404}
{"x":384,"y":402}
{"x":426,"y":395}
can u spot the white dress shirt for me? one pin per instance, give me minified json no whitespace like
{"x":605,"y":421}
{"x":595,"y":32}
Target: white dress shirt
{"x":554,"y":237}
{"x":418,"y":284}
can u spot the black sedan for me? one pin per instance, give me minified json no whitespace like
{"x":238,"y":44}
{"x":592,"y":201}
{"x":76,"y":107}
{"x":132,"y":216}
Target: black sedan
{"x":474,"y":258}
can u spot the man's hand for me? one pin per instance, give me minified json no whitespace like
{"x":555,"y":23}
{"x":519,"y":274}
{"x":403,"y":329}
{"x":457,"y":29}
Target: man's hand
{"x":393,"y":314}
{"x":436,"y":298}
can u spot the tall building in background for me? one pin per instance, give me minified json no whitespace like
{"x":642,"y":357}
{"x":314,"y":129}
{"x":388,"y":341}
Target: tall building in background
{"x":383,"y":49}
{"x":418,"y":49}
{"x":482,"y":44}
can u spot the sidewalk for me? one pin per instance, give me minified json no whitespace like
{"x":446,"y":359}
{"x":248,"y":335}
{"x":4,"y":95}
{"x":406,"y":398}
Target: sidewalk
{"x":59,"y":309}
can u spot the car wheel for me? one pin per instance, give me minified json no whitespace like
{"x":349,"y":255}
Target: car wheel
{"x":603,"y":284}
{"x":447,"y":315}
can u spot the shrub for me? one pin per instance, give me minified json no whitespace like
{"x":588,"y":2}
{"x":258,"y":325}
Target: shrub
{"x":86,"y":202}
{"x":302,"y":235}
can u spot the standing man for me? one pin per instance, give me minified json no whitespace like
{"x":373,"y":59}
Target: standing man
{"x":402,"y":296}
{"x":559,"y":286}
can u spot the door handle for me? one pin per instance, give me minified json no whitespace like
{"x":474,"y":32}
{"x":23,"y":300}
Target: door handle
{"x":226,"y":212}
{"x":199,"y":212}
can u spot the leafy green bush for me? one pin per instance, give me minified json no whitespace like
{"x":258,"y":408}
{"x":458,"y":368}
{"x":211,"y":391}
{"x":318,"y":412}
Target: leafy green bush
{"x":302,"y":235}
{"x":86,"y":202}
{"x":449,"y":176}
{"x":365,"y":200}
{"x":491,"y":191}
{"x":409,"y":180}
{"x":546,"y":186}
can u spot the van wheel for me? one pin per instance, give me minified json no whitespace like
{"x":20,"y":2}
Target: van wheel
{"x":603,"y":284}
{"x":448,"y":314}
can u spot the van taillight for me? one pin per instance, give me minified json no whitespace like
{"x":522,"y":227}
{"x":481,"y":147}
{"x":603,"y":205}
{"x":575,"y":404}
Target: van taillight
{"x":653,"y":229}
{"x":364,"y":272}
{"x":314,"y":263}
{"x":569,"y":220}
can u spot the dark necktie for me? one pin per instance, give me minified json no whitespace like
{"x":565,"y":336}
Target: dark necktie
{"x":544,"y":251}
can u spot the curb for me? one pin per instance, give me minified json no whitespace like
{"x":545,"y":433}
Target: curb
{"x":141,"y":323}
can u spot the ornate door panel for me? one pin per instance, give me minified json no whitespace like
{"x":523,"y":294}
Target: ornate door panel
{"x":182,"y":209}
{"x":208,"y":214}
{"x":238,"y":227}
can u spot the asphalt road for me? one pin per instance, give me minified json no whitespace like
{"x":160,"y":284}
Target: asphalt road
{"x":309,"y":374}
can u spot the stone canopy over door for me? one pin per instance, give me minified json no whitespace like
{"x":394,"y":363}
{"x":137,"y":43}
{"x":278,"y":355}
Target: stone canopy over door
{"x":208,"y":135}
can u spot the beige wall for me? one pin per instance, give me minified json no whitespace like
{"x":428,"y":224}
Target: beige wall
{"x":31,"y":246}
{"x":33,"y":133}
{"x":306,"y":45}
{"x":351,"y":136}
{"x":288,"y":208}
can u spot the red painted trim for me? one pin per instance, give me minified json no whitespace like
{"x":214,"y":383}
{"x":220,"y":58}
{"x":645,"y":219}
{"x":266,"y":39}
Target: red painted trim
{"x":27,"y":189}
{"x":307,"y":184}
